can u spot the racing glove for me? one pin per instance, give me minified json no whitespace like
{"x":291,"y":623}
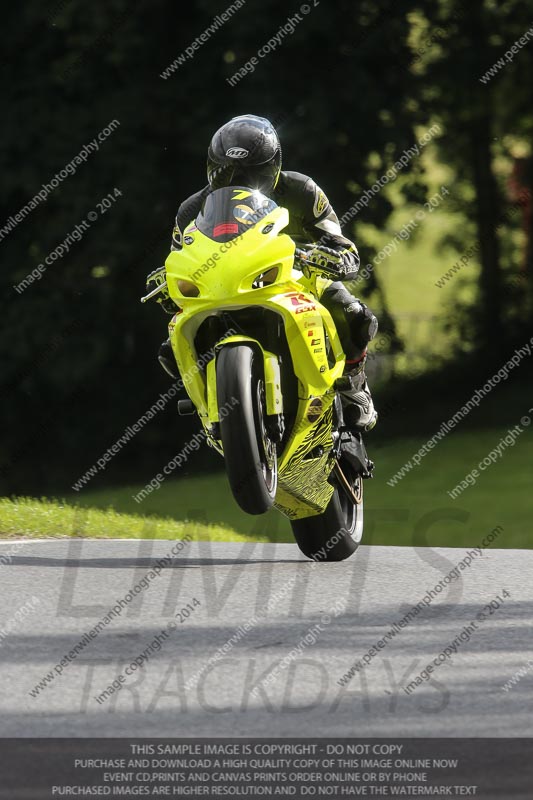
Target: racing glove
{"x":350,"y":264}
{"x":340,"y":264}
{"x":153,"y":281}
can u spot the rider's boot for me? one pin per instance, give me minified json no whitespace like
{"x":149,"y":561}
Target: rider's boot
{"x":358,"y":406}
{"x":167,"y":360}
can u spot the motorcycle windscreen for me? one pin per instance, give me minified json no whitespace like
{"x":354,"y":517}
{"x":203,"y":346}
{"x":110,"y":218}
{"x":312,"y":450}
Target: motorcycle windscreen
{"x":230,"y":212}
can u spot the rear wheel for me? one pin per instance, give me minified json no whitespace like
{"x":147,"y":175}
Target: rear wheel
{"x":250,"y":454}
{"x":336,"y":533}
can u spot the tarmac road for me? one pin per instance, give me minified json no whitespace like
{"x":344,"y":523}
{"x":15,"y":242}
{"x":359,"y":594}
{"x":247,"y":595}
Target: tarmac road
{"x":270,"y":600}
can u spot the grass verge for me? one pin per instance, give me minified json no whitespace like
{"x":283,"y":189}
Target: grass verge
{"x":27,"y":517}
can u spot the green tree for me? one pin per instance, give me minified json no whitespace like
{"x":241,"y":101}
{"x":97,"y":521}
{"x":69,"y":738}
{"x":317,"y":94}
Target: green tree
{"x":480,"y":113}
{"x":77,"y":348}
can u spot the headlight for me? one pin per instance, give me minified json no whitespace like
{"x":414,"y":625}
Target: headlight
{"x":266,"y":278}
{"x":188,"y":288}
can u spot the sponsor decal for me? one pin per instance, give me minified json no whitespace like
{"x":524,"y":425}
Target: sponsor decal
{"x":298,"y":298}
{"x":237,"y":152}
{"x":225,"y":227}
{"x":241,"y":194}
{"x":188,"y":239}
{"x":321,"y":202}
{"x":244,"y":214}
{"x":301,"y":302}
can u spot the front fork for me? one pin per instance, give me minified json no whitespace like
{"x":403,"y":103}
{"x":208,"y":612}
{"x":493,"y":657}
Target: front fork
{"x":272,"y":373}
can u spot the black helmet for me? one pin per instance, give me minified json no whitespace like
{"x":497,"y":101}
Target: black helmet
{"x":244,"y":152}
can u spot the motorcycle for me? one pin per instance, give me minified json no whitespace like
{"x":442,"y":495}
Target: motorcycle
{"x":267,"y":398}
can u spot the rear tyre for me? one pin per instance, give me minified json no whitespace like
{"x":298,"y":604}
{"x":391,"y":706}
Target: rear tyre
{"x":335,"y":534}
{"x":250,"y":454}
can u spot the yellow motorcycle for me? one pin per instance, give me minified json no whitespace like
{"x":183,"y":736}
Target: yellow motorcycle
{"x":267,"y":398}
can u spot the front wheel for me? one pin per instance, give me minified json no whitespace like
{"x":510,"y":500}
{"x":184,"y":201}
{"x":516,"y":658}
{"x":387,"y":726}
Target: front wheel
{"x":336,"y":533}
{"x":250,"y":454}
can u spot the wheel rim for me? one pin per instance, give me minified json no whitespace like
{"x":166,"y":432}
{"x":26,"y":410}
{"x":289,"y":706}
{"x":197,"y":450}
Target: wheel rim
{"x":267,"y":448}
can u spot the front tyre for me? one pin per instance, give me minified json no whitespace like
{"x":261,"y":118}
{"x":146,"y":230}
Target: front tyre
{"x":335,"y":534}
{"x":250,"y":454}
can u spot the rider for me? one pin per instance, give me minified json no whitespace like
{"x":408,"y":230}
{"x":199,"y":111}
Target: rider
{"x":246,"y":152}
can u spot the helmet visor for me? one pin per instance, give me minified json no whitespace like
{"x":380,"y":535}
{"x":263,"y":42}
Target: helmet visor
{"x":260,"y":177}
